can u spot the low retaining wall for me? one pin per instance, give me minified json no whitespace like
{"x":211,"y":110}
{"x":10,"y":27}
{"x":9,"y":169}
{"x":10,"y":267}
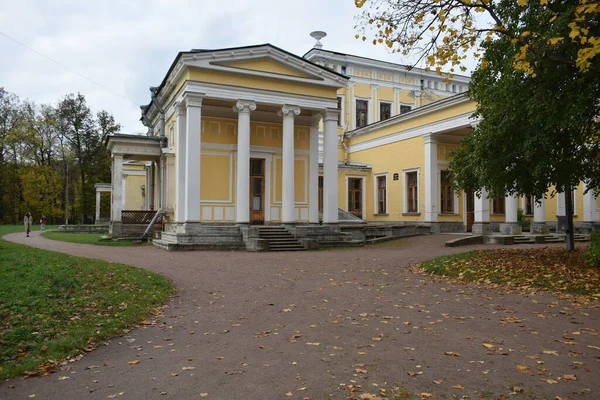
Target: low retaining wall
{"x":83,"y":228}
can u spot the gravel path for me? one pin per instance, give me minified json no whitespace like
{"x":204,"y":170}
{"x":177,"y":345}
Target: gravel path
{"x":307,"y":325}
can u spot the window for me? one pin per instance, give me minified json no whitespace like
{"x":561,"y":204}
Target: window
{"x":344,"y":69}
{"x":362,"y":109}
{"x":436,"y":85}
{"x":412,"y":192}
{"x":355,"y":196}
{"x":320,"y":194}
{"x":404,"y":109}
{"x":498,"y":206}
{"x":385,"y":111}
{"x":453,"y":88}
{"x":339,"y":106}
{"x":381,"y":182}
{"x":422,"y":83}
{"x":529,"y":205}
{"x":447,"y":194}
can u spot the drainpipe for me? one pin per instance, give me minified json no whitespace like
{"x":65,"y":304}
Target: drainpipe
{"x":161,"y":135}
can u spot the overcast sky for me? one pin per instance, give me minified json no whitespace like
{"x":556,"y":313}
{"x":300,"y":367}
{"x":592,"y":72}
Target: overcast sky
{"x":128,"y":46}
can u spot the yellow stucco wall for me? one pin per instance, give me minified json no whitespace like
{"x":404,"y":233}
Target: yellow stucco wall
{"x":133,"y":191}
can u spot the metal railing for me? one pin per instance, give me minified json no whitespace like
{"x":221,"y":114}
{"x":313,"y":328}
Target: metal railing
{"x":140,"y":217}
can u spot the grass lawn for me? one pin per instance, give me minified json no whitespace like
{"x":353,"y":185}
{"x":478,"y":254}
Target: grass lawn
{"x":54,"y":306}
{"x":552,"y":269}
{"x":88,"y":238}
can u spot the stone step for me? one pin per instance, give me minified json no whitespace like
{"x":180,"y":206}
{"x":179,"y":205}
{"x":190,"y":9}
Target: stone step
{"x":523,"y":240}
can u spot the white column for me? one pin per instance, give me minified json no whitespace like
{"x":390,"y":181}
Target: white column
{"x":561,"y":209}
{"x":242,"y":194}
{"x":179,"y":165}
{"x":330,"y":167}
{"x":539,"y":211}
{"x":193,"y":106}
{"x":482,"y":207}
{"x":589,"y":206}
{"x":97,"y":206}
{"x":117,"y":187}
{"x":313,"y":172}
{"x":431,"y":178}
{"x":288,"y":209}
{"x":510,"y":209}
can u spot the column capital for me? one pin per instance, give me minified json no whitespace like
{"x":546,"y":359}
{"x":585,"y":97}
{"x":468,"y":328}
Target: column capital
{"x":429,"y":138}
{"x":374,"y":86}
{"x":289,"y":111}
{"x":350,"y":83}
{"x":397,"y":90}
{"x":315,"y":119}
{"x":331,"y":114}
{"x":192,"y":99}
{"x":180,"y":108}
{"x":418,"y":93}
{"x":244,"y":106}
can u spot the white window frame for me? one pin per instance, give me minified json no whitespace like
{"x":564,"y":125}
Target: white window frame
{"x":391,"y":104}
{"x":376,"y":194}
{"x":369,"y":101}
{"x":412,"y":107}
{"x":363,"y":194}
{"x":405,"y":192}
{"x":524,"y":205}
{"x":439,"y":190}
{"x":342,"y":110}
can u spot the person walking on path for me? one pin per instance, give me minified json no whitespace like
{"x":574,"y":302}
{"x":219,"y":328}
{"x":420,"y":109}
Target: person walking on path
{"x":43,"y":222}
{"x":28,"y":221}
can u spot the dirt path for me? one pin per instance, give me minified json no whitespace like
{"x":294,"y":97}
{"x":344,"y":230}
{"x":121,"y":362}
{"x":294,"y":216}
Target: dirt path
{"x":307,"y":325}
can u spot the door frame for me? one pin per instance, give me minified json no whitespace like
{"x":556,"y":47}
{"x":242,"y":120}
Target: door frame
{"x":466,"y":209}
{"x":267,"y":196}
{"x":364,"y":194}
{"x":251,"y":192}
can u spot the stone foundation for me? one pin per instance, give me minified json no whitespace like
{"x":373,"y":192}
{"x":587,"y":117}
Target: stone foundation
{"x":123,"y":231}
{"x":197,"y":236}
{"x":83,"y":228}
{"x":511,"y":228}
{"x":481,"y":228}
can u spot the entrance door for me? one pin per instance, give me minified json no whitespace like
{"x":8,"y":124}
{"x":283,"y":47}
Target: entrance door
{"x":470,"y":195}
{"x":257,"y":191}
{"x":355,"y":196}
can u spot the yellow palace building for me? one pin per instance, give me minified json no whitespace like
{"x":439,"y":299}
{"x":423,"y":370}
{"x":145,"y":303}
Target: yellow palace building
{"x":255,"y":147}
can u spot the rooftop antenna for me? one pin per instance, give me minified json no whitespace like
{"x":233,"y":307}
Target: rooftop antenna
{"x":318,"y":35}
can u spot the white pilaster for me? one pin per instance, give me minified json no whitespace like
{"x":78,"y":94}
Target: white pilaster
{"x":117,"y":187}
{"x":193,"y":105}
{"x":510,"y":209}
{"x":288,"y":209}
{"x":97,"y":206}
{"x":179,"y":164}
{"x":482,"y":207}
{"x":330,"y":167}
{"x":313,"y":172}
{"x":242,"y":213}
{"x":431,"y":178}
{"x":351,"y":106}
{"x":417,"y":98}
{"x":374,"y":104}
{"x":589,"y":206}
{"x":561,"y":209}
{"x":396,"y":106}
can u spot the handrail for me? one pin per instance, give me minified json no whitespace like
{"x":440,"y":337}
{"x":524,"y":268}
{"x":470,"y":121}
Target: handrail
{"x":149,"y":228}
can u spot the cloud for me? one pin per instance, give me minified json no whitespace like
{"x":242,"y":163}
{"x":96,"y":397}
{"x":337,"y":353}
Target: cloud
{"x":128,"y":46}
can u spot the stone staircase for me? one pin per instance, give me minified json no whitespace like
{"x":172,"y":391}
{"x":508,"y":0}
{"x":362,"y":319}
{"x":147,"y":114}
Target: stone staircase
{"x":523,"y":240}
{"x":553,"y":238}
{"x":279,"y":239}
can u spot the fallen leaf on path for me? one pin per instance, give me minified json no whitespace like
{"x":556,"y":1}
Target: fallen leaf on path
{"x":62,"y":378}
{"x":570,"y":377}
{"x":203,"y":394}
{"x":289,"y":394}
{"x":451,"y":353}
{"x":187,"y":368}
{"x":460,"y":387}
{"x":133,"y":362}
{"x":553,"y":352}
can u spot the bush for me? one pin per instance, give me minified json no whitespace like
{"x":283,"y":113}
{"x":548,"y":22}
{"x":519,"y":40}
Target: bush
{"x":592,"y":255}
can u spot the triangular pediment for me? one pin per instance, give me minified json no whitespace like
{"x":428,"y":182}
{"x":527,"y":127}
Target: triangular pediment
{"x":264,"y":61}
{"x":267,"y":65}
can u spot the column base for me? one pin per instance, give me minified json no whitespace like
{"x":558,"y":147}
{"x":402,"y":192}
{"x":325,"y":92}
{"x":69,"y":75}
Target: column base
{"x":511,"y":228}
{"x":481,"y":228}
{"x":540,"y":227}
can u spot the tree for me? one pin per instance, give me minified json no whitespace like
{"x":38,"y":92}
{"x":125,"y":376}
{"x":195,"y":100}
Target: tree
{"x":446,"y":32}
{"x":537,"y":87}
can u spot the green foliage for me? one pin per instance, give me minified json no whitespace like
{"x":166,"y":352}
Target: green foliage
{"x":53,"y":306}
{"x":520,"y":215}
{"x":44,"y":149}
{"x":592,"y":255}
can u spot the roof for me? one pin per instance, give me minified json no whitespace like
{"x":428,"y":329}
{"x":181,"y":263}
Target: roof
{"x":146,"y":108}
{"x":390,"y":64}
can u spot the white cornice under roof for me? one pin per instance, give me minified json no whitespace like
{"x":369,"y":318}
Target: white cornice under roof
{"x":349,"y":59}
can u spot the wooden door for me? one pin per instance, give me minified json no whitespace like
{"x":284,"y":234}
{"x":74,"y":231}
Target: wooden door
{"x":355,"y":196}
{"x":257,"y":191}
{"x":470,"y":196}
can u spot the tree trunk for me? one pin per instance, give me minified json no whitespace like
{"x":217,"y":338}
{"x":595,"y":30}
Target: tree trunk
{"x":569,"y":211}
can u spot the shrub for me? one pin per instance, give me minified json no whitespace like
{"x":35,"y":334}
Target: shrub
{"x":592,"y":255}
